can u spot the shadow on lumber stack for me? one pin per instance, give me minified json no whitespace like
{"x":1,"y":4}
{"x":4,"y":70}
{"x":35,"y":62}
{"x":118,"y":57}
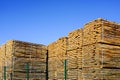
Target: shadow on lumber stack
{"x":101,"y":50}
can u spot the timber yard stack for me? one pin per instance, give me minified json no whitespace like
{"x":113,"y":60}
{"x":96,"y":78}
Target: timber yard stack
{"x":61,"y":45}
{"x":24,"y":60}
{"x":3,"y":58}
{"x":52,"y":61}
{"x":56,"y":57}
{"x":74,"y":55}
{"x":92,"y":53}
{"x":101,"y":50}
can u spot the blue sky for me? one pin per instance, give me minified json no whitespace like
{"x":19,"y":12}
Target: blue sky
{"x":44,"y":21}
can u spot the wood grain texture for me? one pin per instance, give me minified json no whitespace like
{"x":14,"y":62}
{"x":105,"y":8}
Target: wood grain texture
{"x":57,"y":55}
{"x":101,"y":31}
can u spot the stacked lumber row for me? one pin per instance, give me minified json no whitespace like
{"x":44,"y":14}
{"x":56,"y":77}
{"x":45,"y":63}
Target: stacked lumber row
{"x":74,"y":55}
{"x":101,"y":31}
{"x":61,"y":47}
{"x":18,"y":54}
{"x":74,"y":49}
{"x":101,"y":74}
{"x":75,"y":39}
{"x":51,"y":61}
{"x":101,"y":50}
{"x":3,"y":60}
{"x":57,"y":55}
{"x":101,"y":55}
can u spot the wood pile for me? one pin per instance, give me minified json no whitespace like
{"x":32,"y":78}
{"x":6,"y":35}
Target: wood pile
{"x":101,"y":31}
{"x":56,"y":57}
{"x":3,"y":59}
{"x":52,"y":67}
{"x":75,"y":39}
{"x":92,"y":52}
{"x":17,"y":54}
{"x":101,"y":50}
{"x":74,"y":54}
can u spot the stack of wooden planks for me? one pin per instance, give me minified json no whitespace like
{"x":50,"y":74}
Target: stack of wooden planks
{"x":74,"y":54}
{"x":101,"y":30}
{"x":56,"y":57}
{"x":52,"y":61}
{"x":61,"y":46}
{"x":101,"y":50}
{"x":92,"y":53}
{"x":3,"y":58}
{"x":19,"y":55}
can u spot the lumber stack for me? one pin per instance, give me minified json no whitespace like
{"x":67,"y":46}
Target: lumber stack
{"x":75,"y":39}
{"x":101,"y":50}
{"x":101,"y":55}
{"x":18,"y":54}
{"x":56,"y":57}
{"x":51,"y":61}
{"x":101,"y":30}
{"x":92,"y":53}
{"x":74,"y":54}
{"x":61,"y":46}
{"x":3,"y":59}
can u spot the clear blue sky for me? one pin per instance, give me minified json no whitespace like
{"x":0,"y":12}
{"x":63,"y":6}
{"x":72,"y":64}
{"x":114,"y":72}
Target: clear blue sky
{"x":44,"y":21}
